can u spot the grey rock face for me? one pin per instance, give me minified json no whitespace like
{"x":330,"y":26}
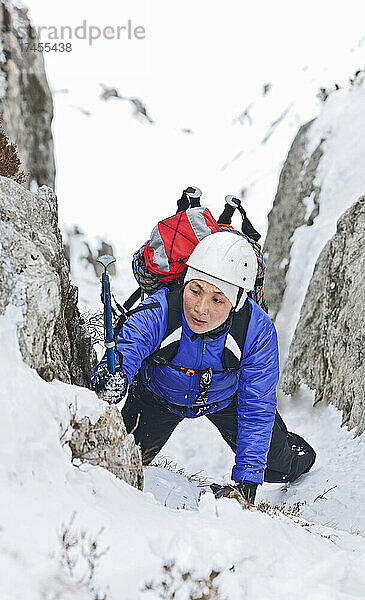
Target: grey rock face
{"x":34,"y":275}
{"x":107,"y":444}
{"x":288,"y":213}
{"x":25,"y":98}
{"x":140,"y":109}
{"x":328,"y":348}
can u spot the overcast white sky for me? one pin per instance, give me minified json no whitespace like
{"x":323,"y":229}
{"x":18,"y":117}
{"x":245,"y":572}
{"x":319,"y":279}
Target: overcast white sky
{"x":203,"y":58}
{"x":200,"y":64}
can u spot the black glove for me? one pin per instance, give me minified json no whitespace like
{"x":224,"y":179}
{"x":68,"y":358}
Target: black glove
{"x":248,"y":490}
{"x":111,"y":386}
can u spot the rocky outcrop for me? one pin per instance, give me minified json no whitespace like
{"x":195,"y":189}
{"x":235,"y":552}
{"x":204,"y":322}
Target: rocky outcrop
{"x":25,"y":99}
{"x":140,"y":109}
{"x":34,"y":275}
{"x":296,"y":187}
{"x":327,"y":352}
{"x":106,"y":444}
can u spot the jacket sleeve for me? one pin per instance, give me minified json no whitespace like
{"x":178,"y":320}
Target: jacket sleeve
{"x":140,"y":335}
{"x":258,"y":378}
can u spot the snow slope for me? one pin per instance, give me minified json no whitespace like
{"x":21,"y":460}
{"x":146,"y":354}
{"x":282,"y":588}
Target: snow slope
{"x":341,"y":178}
{"x":42,"y":492}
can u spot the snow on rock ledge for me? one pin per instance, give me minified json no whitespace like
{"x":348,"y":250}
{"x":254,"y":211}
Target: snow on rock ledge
{"x":34,"y":275}
{"x":290,"y":210}
{"x":328,"y":348}
{"x":324,"y":175}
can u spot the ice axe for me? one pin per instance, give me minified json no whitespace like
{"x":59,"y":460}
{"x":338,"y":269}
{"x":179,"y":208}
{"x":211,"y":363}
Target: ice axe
{"x":232,"y":202}
{"x":190,"y":198}
{"x":107,"y":260}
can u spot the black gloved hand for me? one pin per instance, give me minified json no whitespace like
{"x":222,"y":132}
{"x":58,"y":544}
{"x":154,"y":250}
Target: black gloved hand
{"x":248,"y":490}
{"x":111,"y":386}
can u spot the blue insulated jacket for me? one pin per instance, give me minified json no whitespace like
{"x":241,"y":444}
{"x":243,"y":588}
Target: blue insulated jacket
{"x":255,"y":382}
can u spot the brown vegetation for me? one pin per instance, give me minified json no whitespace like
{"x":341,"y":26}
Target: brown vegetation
{"x":79,"y":558}
{"x":9,"y":159}
{"x":174,"y":579}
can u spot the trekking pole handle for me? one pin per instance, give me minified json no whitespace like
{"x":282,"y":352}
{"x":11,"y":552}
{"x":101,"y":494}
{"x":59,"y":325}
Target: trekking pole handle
{"x":107,"y":260}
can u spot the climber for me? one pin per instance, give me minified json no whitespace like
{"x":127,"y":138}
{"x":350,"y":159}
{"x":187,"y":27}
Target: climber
{"x":206,"y":349}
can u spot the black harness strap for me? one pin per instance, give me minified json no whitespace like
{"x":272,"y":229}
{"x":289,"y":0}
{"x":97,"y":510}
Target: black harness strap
{"x":171,"y":340}
{"x":124,"y":315}
{"x":235,"y":340}
{"x":132,"y":299}
{"x":143,"y":307}
{"x":159,"y":362}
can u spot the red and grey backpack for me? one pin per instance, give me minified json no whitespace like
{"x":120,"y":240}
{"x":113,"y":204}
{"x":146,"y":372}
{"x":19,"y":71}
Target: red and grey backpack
{"x":161,"y":261}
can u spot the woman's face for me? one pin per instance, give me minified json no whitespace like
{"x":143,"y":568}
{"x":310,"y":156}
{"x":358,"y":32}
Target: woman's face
{"x":205,"y":306}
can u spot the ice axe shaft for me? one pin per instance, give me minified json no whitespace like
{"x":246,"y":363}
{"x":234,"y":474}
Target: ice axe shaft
{"x":107,"y":260}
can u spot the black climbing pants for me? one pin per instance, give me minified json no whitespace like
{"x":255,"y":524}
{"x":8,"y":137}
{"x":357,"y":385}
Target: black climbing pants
{"x":152,"y":423}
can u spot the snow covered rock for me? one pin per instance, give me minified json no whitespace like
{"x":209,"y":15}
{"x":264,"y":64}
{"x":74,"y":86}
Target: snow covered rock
{"x":328,"y":348}
{"x":106,"y":444}
{"x":327,"y":177}
{"x":25,"y":99}
{"x":290,"y":211}
{"x":34,"y":275}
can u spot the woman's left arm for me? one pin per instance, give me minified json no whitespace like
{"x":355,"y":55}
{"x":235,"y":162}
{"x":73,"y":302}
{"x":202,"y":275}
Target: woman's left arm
{"x":259,"y":375}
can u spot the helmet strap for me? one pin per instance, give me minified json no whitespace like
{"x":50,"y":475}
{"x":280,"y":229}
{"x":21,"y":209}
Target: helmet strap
{"x":239,"y":296}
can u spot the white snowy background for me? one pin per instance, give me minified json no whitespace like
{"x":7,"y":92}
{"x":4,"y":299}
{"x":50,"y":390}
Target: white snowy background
{"x":200,"y":66}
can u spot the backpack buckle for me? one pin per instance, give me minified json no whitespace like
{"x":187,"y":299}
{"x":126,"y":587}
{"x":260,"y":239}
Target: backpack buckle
{"x":189,"y":372}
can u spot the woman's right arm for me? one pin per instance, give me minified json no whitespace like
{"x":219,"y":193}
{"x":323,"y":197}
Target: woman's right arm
{"x":140,"y":335}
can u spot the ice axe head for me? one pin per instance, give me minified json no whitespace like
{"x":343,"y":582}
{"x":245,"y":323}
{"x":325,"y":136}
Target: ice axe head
{"x":190,"y":198}
{"x":106,"y":260}
{"x":193,"y":192}
{"x":233,"y":201}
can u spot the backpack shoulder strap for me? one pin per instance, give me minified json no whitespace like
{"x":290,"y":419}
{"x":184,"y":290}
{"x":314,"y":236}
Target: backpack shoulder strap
{"x":235,"y":339}
{"x":125,"y":314}
{"x":171,"y":340}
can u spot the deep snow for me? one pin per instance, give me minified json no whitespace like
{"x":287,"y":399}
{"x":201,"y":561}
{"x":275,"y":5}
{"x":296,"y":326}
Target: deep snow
{"x":257,"y":555}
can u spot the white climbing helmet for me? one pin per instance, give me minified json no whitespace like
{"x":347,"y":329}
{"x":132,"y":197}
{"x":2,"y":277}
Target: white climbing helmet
{"x":228,"y":257}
